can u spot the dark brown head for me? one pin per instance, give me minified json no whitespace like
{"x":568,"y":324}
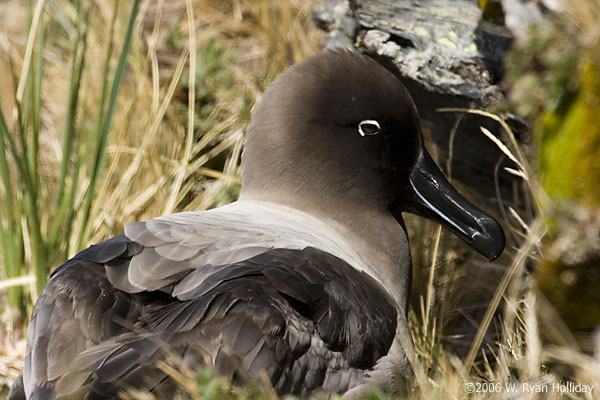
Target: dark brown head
{"x":340,"y":129}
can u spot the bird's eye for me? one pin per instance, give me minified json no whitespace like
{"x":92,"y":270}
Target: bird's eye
{"x":368,"y":127}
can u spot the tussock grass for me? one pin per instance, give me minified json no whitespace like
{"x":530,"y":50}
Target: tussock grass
{"x":521,"y":359}
{"x":40,"y":216}
{"x":91,"y":154}
{"x":109,"y":115}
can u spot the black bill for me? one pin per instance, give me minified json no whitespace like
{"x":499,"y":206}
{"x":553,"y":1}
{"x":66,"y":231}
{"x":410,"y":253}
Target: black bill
{"x":435,"y":198}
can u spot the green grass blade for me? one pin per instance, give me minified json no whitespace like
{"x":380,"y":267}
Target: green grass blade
{"x":20,"y":161}
{"x":71,"y":195}
{"x":85,"y":209}
{"x":5,"y":172}
{"x":8,"y":235}
{"x":26,"y":160}
{"x":20,"y":158}
{"x":106,"y":125}
{"x":38,"y":72}
{"x":77,"y":66}
{"x":15,"y":82}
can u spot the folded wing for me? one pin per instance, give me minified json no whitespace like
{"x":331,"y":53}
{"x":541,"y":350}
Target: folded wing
{"x":219,"y":299}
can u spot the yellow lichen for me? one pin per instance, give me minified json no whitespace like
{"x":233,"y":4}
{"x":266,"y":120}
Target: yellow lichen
{"x":571,"y":142}
{"x":446,"y":42}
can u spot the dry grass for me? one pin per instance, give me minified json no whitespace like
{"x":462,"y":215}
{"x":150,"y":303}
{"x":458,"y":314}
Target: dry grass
{"x":521,"y":361}
{"x":158,"y":162}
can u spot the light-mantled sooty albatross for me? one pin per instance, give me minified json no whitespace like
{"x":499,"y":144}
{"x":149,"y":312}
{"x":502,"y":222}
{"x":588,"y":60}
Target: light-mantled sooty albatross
{"x":306,"y":277}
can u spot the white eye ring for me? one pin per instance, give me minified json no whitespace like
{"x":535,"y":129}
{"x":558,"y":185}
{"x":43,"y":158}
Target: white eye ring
{"x":365,"y":128}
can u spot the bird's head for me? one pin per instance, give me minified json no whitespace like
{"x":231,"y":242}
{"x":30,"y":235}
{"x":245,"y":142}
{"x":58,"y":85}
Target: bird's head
{"x":340,"y":128}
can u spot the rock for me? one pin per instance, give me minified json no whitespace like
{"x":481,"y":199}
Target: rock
{"x":337,"y":18}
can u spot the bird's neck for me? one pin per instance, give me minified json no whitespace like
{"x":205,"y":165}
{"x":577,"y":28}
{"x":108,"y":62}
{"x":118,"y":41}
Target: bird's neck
{"x":379,"y":240}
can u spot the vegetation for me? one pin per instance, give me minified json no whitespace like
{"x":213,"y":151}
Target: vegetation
{"x":109,"y":115}
{"x":556,"y":76}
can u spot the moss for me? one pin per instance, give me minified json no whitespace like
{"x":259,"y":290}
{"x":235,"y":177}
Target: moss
{"x":587,"y":163}
{"x":555,"y":83}
{"x":573,"y":290}
{"x":569,"y":275}
{"x":559,"y":150}
{"x":569,"y":162}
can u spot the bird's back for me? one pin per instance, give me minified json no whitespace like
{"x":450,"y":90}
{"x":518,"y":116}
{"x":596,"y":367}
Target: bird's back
{"x":241,"y":289}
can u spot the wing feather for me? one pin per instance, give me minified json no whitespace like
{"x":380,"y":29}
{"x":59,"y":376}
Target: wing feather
{"x":165,"y":288}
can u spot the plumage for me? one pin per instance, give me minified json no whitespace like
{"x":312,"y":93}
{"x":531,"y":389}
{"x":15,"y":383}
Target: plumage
{"x":306,"y":277}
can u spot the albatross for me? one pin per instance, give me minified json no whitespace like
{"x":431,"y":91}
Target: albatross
{"x":305,"y":278}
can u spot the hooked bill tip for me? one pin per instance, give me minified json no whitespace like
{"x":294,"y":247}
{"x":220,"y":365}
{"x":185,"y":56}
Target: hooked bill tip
{"x":490,"y":241}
